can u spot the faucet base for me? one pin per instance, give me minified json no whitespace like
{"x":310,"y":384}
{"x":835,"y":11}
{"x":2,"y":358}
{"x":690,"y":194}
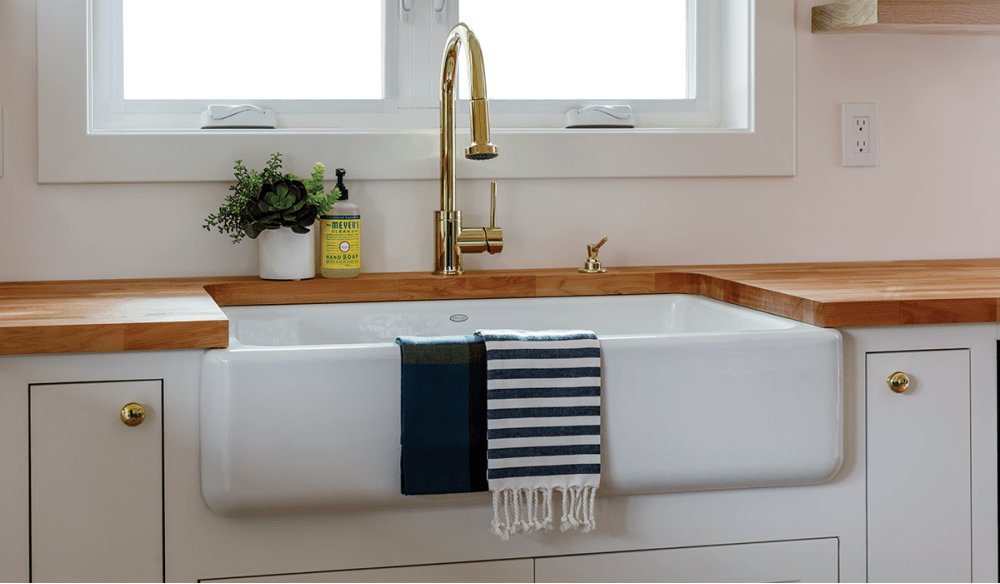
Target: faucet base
{"x":447,"y":255}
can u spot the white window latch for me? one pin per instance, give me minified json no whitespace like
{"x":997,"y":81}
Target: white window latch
{"x":237,"y":116}
{"x":601,"y":116}
{"x":406,"y":11}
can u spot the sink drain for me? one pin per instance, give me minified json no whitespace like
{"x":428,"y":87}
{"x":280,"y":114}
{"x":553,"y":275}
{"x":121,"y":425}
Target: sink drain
{"x":458,"y":318}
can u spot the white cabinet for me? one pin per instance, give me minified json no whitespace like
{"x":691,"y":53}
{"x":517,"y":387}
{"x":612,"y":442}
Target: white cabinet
{"x":919,"y":468}
{"x":814,"y":560}
{"x":96,"y":500}
{"x":494,"y":571}
{"x":96,"y":484}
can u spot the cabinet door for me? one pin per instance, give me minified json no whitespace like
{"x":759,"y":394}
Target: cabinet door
{"x":492,"y":571}
{"x":919,"y":486}
{"x":808,"y":560}
{"x":96,"y":484}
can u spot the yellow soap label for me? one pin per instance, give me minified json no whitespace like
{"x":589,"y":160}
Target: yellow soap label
{"x":341,"y":238}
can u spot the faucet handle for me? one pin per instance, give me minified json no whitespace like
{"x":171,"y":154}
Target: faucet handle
{"x":592,"y":249}
{"x":493,"y":205}
{"x":593,"y":265}
{"x":480,"y":239}
{"x":494,"y":235}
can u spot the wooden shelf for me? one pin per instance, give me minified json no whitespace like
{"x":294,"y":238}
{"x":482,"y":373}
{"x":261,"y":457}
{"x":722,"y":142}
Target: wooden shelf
{"x":907,"y":17}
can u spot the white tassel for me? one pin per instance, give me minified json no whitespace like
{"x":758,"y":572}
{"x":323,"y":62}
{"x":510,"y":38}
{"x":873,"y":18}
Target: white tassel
{"x":571,"y":520}
{"x":532,"y":510}
{"x":547,"y":523}
{"x":564,"y":524}
{"x":526,"y":510}
{"x":498,"y":527}
{"x":508,"y":530}
{"x":589,"y":517}
{"x":515,"y":495}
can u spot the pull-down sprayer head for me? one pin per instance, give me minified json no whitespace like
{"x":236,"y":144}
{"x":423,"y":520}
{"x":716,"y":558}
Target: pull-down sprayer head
{"x":481,"y":147}
{"x":481,"y":152}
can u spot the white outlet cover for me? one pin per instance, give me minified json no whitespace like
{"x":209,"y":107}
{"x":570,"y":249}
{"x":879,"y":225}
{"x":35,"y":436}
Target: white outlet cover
{"x":849,"y":111}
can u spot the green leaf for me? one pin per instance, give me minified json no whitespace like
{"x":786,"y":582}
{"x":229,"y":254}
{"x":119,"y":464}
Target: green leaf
{"x":252,"y":230}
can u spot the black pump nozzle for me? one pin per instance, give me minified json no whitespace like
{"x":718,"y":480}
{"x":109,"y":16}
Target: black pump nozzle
{"x":340,"y":184}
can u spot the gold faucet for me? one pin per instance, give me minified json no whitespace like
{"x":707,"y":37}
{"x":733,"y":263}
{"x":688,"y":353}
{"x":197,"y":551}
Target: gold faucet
{"x":593,"y":265}
{"x":451,"y":239}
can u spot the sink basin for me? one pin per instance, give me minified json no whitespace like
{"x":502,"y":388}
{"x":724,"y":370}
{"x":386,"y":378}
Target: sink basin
{"x":302,"y":412}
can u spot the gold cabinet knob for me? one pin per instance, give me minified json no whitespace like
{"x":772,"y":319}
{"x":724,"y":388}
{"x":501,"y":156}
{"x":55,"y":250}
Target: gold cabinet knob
{"x":898,"y":382}
{"x":133,"y":414}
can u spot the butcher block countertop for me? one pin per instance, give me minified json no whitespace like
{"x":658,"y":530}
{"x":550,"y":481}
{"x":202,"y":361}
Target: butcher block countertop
{"x":134,"y":315}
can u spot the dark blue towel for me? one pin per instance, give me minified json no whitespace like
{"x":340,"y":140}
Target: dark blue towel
{"x":443,"y":394}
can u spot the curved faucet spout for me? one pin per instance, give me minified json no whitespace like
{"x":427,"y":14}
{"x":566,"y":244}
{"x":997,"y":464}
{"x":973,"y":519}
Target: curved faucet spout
{"x":448,"y":242}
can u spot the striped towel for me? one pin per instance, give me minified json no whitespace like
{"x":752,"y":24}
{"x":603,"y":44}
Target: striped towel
{"x":543,"y":396}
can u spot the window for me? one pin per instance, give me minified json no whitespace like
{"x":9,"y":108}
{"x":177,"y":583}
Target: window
{"x":709,"y":81}
{"x":141,"y":69}
{"x":229,"y":43}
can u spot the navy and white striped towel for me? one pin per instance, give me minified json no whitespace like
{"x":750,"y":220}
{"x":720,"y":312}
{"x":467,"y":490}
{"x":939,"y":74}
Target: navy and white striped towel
{"x":543,"y":400}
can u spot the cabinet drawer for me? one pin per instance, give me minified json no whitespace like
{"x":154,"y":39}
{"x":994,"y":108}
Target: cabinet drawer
{"x":809,"y":560}
{"x":96,"y":484}
{"x":493,"y":571}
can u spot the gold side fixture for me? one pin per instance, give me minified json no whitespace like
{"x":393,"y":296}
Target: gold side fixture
{"x":593,"y":265}
{"x":898,"y":382}
{"x":133,"y":414}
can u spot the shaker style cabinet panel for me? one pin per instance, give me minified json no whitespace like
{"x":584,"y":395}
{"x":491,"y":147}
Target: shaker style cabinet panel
{"x":96,"y":496}
{"x":919,"y":485}
{"x":809,"y":560}
{"x":490,"y":571}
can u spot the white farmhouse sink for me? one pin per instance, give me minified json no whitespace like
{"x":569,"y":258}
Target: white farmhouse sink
{"x":302,"y":412}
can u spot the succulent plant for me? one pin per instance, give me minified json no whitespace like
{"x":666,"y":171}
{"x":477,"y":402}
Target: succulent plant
{"x":271,"y":199}
{"x":280,"y":203}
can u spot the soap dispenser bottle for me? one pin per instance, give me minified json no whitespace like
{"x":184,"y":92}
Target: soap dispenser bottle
{"x":340,"y":236}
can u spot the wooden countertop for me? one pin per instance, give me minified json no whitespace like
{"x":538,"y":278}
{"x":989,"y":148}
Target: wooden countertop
{"x":131,"y":315}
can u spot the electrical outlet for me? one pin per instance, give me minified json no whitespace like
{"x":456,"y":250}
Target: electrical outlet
{"x":862,"y":136}
{"x":860,"y":139}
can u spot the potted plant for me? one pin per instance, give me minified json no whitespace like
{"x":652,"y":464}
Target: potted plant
{"x":279,"y":208}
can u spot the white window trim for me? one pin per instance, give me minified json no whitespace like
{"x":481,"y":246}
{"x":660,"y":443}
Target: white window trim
{"x":759,"y":141}
{"x":111,"y":112}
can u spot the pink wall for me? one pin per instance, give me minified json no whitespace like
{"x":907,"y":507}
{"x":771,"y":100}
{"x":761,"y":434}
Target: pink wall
{"x":935,"y":195}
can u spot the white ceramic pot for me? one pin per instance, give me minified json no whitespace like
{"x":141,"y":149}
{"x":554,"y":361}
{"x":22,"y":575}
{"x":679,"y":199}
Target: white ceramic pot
{"x":286,"y":255}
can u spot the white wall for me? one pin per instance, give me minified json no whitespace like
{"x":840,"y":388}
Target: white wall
{"x":935,"y":194}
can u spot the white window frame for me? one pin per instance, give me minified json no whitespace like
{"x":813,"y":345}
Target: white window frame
{"x":112,"y":112}
{"x":702,"y":109}
{"x":754,"y":136}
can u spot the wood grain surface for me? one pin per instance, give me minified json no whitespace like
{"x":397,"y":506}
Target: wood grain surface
{"x":907,"y":17}
{"x":108,"y":315}
{"x":127,"y":315}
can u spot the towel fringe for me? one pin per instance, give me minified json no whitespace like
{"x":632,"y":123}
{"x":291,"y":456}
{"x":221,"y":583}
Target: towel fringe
{"x":532,"y":509}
